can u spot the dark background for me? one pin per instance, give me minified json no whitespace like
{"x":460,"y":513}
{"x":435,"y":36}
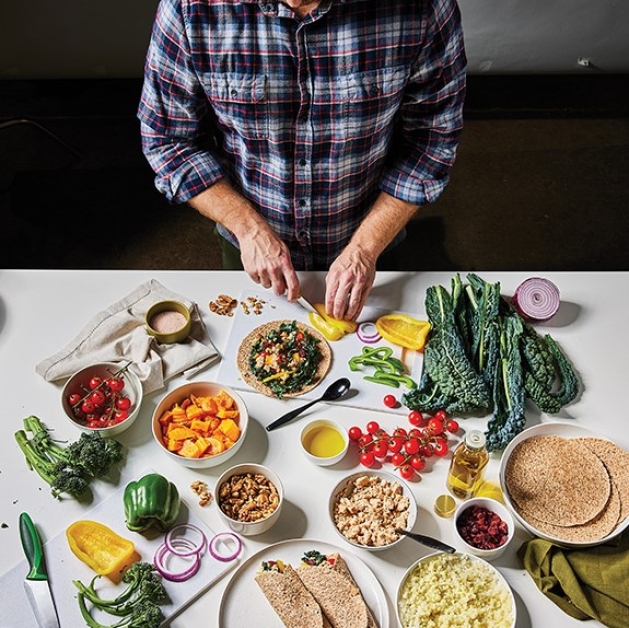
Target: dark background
{"x":540,"y":181}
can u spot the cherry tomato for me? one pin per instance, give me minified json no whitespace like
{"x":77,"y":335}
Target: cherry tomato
{"x":440,"y":415}
{"x":435,"y":426}
{"x":95,"y":382}
{"x":417,"y":462}
{"x":407,"y":472}
{"x":115,"y":383}
{"x":98,"y":397}
{"x":398,"y":459}
{"x":427,"y":450}
{"x":452,"y":426}
{"x":389,"y":401}
{"x":365,"y":441}
{"x":87,"y":406}
{"x":411,"y":446}
{"x":372,"y":427}
{"x":415,"y":418}
{"x":399,"y":431}
{"x":395,"y":444}
{"x":380,"y":449}
{"x":415,"y":433}
{"x":123,"y":403}
{"x":354,"y":433}
{"x":74,"y":399}
{"x":120,"y":415}
{"x":367,"y":459}
{"x":440,"y":447}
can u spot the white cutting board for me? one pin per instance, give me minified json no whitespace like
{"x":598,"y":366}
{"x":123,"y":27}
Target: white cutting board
{"x":64,"y":566}
{"x":364,"y":394}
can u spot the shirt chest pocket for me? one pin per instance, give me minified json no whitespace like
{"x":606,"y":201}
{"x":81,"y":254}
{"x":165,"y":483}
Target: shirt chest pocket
{"x":371,"y":100}
{"x":240,"y":102}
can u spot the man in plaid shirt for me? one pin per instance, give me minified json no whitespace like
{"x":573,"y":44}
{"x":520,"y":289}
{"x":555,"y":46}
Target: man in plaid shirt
{"x":309,"y":131}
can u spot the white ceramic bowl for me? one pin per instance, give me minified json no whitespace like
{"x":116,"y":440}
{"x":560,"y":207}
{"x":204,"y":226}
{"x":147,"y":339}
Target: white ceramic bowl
{"x":200,"y":389}
{"x":346,"y":486}
{"x":318,"y":435}
{"x":79,"y":384}
{"x":495,"y":507}
{"x":250,"y":528}
{"x":564,"y":430}
{"x":444,"y":578}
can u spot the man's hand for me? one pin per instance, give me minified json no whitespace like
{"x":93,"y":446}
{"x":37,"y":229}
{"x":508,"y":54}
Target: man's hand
{"x":348,"y":284}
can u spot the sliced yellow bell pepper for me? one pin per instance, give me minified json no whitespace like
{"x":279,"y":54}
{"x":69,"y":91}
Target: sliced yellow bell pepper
{"x":99,"y":547}
{"x":403,"y":330}
{"x":347,"y":327}
{"x":330,"y":331}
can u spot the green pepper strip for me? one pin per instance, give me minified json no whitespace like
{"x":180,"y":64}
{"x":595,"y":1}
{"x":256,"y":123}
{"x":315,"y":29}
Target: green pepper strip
{"x":392,"y":379}
{"x":379,"y":380}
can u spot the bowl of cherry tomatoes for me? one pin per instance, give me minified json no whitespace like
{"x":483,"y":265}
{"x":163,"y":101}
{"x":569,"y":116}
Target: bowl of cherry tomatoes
{"x":103,"y":397}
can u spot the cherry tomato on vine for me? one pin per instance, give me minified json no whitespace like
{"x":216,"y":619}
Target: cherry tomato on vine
{"x":115,"y":383}
{"x":417,"y":462}
{"x":407,"y":472}
{"x":440,"y":415}
{"x":398,"y":459}
{"x":440,"y":447}
{"x":435,"y":426}
{"x":380,"y":449}
{"x":395,"y":444}
{"x":87,"y":406}
{"x":120,"y":415}
{"x":412,"y":446}
{"x":354,"y":433}
{"x":74,"y":399}
{"x":452,"y":426}
{"x":365,"y":441}
{"x":389,"y":401}
{"x":95,"y":382}
{"x":372,"y":427}
{"x":415,"y":418}
{"x":367,"y":459}
{"x":98,"y":398}
{"x":400,"y":431}
{"x":123,"y":403}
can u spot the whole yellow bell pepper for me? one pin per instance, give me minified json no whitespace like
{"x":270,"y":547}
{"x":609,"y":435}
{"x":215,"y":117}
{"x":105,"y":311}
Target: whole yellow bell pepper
{"x":99,"y":547}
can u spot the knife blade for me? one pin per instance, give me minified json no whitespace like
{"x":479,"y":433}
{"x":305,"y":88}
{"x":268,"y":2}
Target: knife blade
{"x":36,"y":583}
{"x":306,"y":305}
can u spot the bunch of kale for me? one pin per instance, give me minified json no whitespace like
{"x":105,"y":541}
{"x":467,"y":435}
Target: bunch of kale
{"x":482,"y":356}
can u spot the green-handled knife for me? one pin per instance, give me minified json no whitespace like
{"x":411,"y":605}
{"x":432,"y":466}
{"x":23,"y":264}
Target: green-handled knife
{"x":36,"y":582}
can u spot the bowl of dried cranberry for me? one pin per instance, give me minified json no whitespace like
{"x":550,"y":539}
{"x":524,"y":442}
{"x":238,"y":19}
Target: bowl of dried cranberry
{"x":103,"y":397}
{"x":483,"y":527}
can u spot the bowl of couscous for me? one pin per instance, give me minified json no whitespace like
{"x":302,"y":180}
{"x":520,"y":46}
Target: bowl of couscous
{"x":446,"y":589}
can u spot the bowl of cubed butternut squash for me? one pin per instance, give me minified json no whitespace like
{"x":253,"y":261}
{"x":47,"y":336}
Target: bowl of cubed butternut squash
{"x":200,"y":424}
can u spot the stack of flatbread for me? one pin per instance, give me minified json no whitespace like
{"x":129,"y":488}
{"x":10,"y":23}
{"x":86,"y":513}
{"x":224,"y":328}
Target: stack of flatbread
{"x":573,"y":489}
{"x":316,"y":594}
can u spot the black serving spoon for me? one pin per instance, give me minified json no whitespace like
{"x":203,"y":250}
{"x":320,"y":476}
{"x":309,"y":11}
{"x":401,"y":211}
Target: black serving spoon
{"x":428,"y":541}
{"x":334,"y":391}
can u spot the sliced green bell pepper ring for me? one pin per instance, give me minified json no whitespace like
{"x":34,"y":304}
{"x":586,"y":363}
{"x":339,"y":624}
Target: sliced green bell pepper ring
{"x":151,"y":501}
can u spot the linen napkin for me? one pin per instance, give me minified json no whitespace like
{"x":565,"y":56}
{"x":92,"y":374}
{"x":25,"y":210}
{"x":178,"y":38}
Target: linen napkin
{"x":118,"y":334}
{"x":588,"y":583}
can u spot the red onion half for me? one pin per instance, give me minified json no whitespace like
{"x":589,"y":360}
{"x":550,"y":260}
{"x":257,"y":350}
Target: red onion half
{"x":537,"y":299}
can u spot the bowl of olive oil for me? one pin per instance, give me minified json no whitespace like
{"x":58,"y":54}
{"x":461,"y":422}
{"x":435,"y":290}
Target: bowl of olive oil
{"x":324,"y":442}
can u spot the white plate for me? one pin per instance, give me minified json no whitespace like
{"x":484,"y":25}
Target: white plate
{"x":565,"y":430}
{"x":244,"y":604}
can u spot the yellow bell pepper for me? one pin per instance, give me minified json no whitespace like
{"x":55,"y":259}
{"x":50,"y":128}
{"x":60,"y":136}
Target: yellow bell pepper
{"x":330,"y":331}
{"x":99,"y":547}
{"x":347,"y":327}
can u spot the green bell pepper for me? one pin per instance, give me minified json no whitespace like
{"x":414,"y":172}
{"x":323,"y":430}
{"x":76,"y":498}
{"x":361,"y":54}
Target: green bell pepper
{"x":151,"y":501}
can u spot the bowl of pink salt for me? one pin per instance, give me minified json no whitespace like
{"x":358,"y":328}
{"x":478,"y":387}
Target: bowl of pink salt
{"x":168,"y":321}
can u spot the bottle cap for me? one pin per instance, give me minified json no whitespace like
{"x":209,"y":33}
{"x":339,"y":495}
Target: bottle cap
{"x":475,"y":439}
{"x":445,"y":506}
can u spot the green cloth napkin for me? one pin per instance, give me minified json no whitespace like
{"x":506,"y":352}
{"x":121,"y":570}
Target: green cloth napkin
{"x":588,"y":583}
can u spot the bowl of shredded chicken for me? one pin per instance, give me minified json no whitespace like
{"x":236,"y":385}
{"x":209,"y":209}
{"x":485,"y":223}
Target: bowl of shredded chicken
{"x":445,"y":590}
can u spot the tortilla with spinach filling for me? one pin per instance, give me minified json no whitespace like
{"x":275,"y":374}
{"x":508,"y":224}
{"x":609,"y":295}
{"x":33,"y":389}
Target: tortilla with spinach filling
{"x":283,"y":358}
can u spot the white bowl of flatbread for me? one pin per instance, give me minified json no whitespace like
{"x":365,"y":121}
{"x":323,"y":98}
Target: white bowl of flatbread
{"x":567,"y":484}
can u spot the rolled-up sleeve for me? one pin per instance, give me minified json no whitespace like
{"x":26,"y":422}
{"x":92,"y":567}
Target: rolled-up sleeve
{"x":431,"y":116}
{"x":171,"y":111}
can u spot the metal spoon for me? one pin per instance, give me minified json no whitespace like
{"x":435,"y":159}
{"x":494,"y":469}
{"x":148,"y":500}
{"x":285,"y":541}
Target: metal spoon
{"x":334,"y":391}
{"x":428,"y":541}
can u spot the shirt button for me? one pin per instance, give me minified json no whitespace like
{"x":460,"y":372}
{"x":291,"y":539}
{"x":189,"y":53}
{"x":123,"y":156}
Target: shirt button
{"x":302,"y":202}
{"x":374,"y":91}
{"x":302,"y":162}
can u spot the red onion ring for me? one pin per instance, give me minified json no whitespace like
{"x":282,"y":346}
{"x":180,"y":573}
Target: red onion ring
{"x":160,"y":561}
{"x":194,"y":548}
{"x":537,"y":299}
{"x":219,"y":538}
{"x":368,"y":337}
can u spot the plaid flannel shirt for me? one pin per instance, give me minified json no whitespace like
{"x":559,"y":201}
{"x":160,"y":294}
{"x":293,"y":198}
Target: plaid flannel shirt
{"x":309,"y":118}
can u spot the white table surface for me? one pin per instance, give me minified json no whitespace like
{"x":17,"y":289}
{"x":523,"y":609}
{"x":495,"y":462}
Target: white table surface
{"x":41,"y":311}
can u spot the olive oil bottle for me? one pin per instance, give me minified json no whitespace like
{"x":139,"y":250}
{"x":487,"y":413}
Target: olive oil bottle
{"x":468,"y":465}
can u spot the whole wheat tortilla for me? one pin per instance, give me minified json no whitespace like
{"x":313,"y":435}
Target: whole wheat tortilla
{"x":244,"y":352}
{"x":290,"y":599}
{"x":595,"y":530}
{"x":556,"y":480}
{"x":616,"y":461}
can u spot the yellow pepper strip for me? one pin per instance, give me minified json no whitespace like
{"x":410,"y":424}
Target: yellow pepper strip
{"x":347,"y":327}
{"x":331,"y":332}
{"x":403,"y":330}
{"x":99,"y":547}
